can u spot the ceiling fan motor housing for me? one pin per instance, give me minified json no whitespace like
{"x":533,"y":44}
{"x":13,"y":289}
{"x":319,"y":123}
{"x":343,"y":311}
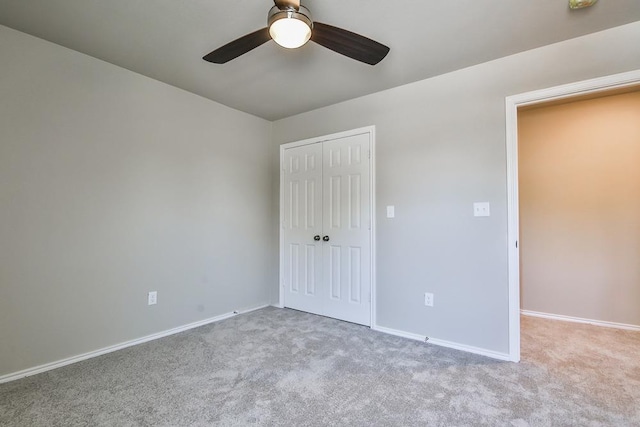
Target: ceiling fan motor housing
{"x":302,"y":14}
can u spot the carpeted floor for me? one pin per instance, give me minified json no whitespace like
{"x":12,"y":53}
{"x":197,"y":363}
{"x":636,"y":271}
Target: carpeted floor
{"x":282,"y":367}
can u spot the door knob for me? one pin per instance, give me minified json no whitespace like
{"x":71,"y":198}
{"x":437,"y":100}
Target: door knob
{"x":325,"y":238}
{"x":316,"y":237}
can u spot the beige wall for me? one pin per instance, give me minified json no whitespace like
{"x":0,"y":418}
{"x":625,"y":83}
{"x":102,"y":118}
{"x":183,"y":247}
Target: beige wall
{"x":579,"y":166}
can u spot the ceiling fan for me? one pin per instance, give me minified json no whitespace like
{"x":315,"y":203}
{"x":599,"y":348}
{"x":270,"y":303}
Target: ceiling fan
{"x":290,"y":25}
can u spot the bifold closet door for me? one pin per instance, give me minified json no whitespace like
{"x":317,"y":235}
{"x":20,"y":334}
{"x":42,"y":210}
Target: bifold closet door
{"x":327,"y":220}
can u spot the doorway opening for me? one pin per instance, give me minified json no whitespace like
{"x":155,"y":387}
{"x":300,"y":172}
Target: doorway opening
{"x":588,"y":89}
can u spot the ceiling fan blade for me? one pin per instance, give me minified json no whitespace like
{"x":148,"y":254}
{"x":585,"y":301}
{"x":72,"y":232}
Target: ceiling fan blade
{"x":238,"y":47}
{"x":283,"y":4}
{"x":349,"y":44}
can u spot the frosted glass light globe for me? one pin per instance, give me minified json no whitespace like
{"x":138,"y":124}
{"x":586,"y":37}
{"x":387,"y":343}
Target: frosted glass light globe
{"x":290,"y":32}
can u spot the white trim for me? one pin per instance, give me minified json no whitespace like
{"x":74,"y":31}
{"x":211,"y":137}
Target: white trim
{"x":512,"y":103}
{"x":471,"y":349}
{"x":280,"y":230}
{"x":353,"y":132}
{"x":399,"y":333}
{"x":371,"y":131}
{"x":585,"y":87}
{"x":564,"y":318}
{"x":443,"y":343}
{"x":372,"y":213}
{"x":73,"y":359}
{"x":513,"y":230}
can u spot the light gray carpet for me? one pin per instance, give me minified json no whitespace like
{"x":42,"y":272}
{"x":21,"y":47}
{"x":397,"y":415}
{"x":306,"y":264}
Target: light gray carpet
{"x":282,"y":367}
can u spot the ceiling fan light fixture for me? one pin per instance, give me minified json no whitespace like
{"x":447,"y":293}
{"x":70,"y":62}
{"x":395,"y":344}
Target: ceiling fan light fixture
{"x":290,"y":25}
{"x":290,"y":28}
{"x":579,"y":4}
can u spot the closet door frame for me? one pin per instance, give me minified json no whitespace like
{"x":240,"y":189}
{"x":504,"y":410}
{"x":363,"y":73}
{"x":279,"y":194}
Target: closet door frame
{"x":370,"y":131}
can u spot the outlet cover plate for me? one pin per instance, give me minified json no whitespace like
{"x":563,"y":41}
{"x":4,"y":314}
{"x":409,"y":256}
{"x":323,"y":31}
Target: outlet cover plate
{"x":152,"y":298}
{"x":428,"y":299}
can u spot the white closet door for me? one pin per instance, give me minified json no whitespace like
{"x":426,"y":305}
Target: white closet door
{"x":302,"y":169}
{"x":346,"y":218}
{"x":326,"y":225}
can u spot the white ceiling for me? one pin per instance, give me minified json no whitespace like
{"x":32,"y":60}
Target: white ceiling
{"x":166,"y":39}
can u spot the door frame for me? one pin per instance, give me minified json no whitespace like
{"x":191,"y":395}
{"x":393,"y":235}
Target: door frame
{"x":368,"y":130}
{"x":512,"y":103}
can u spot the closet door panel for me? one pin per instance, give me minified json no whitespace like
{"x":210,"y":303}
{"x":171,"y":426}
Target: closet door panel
{"x":302,"y":223}
{"x":346,"y":182}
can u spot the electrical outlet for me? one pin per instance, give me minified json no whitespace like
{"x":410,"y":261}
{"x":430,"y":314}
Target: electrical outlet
{"x":152,"y":299}
{"x":428,"y":299}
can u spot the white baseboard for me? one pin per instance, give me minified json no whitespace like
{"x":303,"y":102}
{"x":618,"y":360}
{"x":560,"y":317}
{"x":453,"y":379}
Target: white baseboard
{"x":580,"y":320}
{"x":398,"y":333}
{"x":73,"y":359}
{"x":470,"y":349}
{"x":443,"y":343}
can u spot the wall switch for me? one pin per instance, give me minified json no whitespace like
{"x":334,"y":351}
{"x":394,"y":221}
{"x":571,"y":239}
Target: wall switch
{"x":152,"y":298}
{"x":428,"y":299}
{"x":391,"y":211}
{"x":481,"y":209}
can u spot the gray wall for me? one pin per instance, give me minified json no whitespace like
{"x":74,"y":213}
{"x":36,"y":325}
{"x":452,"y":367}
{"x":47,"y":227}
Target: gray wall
{"x":111,"y":185}
{"x":440,"y":147}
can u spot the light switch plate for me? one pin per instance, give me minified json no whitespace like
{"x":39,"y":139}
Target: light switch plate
{"x":391,"y":211}
{"x":481,"y":209}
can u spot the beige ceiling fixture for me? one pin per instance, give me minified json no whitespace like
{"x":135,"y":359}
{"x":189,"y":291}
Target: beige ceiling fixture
{"x":579,"y":4}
